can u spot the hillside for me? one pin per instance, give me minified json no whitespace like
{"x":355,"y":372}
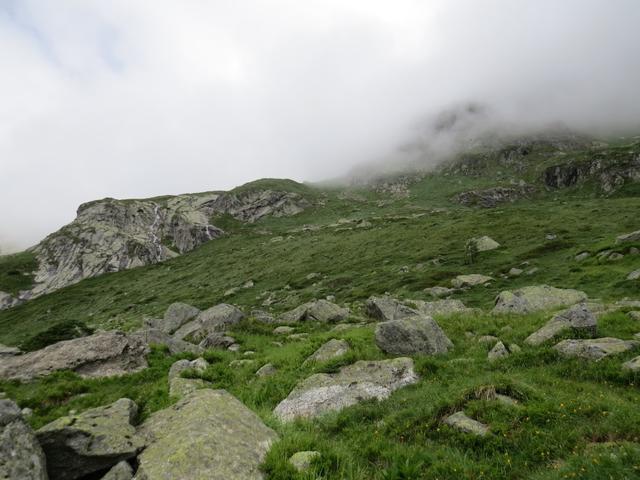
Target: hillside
{"x":556,"y":207}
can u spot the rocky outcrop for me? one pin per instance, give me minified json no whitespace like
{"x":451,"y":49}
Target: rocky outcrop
{"x":92,"y":441}
{"x":99,"y":355}
{"x":322,"y":393}
{"x":595,"y":349}
{"x":21,"y":456}
{"x":415,"y":334}
{"x":492,"y":197}
{"x":578,"y":319}
{"x":215,"y":319}
{"x":536,"y":298}
{"x":208,"y":434}
{"x":110,"y":235}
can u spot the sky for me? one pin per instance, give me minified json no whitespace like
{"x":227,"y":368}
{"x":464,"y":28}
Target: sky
{"x":138,"y":98}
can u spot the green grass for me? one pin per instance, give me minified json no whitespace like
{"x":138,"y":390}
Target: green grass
{"x":16,"y":272}
{"x":574,"y":419}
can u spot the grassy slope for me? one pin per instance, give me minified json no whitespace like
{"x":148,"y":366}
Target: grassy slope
{"x":565,"y":406}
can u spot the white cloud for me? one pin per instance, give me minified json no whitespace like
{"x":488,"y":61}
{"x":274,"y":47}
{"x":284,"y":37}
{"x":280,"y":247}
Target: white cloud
{"x":141,"y":98}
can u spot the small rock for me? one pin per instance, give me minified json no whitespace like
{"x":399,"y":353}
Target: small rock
{"x":298,"y":336}
{"x":234,"y":347}
{"x":215,"y":319}
{"x":471,"y":280}
{"x":121,"y":471}
{"x":497,"y":352}
{"x":634,"y":315}
{"x":488,"y":340}
{"x":283,"y":330}
{"x":635,"y":275}
{"x":386,"y":308}
{"x":484,"y":244}
{"x":515,"y":272}
{"x":629,"y":237}
{"x":217,"y":340}
{"x":439,"y":292}
{"x":241,"y":363}
{"x":633,"y":364}
{"x":249,"y":353}
{"x":266,"y":370}
{"x":301,"y":461}
{"x":461,"y":422}
{"x":582,"y":256}
{"x":262,"y":316}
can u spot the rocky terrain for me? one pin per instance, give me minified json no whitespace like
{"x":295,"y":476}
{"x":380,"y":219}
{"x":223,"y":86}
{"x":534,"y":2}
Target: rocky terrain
{"x":477,"y":321}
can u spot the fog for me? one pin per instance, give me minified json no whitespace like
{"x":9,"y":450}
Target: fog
{"x":149,"y":97}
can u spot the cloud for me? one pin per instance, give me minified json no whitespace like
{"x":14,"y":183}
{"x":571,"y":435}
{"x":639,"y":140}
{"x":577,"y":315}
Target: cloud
{"x":135,"y":99}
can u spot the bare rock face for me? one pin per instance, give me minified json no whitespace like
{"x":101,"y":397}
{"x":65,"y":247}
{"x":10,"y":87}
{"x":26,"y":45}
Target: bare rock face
{"x":92,"y":441}
{"x":21,"y":456}
{"x":102,"y":354}
{"x":322,"y":393}
{"x":209,"y":434}
{"x":111,"y":235}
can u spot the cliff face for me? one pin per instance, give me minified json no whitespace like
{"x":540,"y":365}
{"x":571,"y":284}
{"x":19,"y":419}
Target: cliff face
{"x":111,"y":235}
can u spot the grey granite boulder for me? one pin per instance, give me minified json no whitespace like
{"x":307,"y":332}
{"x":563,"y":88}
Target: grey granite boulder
{"x":208,"y":434}
{"x":302,"y":461}
{"x":440,"y":307}
{"x":536,"y":298}
{"x":470,"y":280}
{"x":497,"y":352}
{"x":177,"y":315}
{"x":629,"y":237}
{"x":332,"y":349}
{"x":460,"y":421}
{"x":21,"y":457}
{"x":154,"y":336}
{"x":217,"y":340}
{"x":266,"y":370}
{"x":578,"y":319}
{"x":322,"y":393}
{"x":97,"y":439}
{"x":316,"y":310}
{"x":417,"y":334}
{"x":215,"y":319}
{"x":121,"y":471}
{"x":595,"y":349}
{"x":102,"y":354}
{"x":385,"y":308}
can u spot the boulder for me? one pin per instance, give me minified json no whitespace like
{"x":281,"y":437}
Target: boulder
{"x":181,"y":387}
{"x":633,"y":364}
{"x":302,"y":461}
{"x":21,"y":456}
{"x":634,"y":315}
{"x":536,"y":298}
{"x":418,"y":334}
{"x":9,"y":351}
{"x":484,"y":243}
{"x":332,"y":349}
{"x":95,"y":440}
{"x":579,"y":319}
{"x":121,"y":471}
{"x":214,"y":319}
{"x":595,"y":349}
{"x":629,"y":237}
{"x":217,"y":340}
{"x":154,"y":336}
{"x":497,"y":352}
{"x":266,"y":370}
{"x":317,"y":310}
{"x":283,"y":330}
{"x":488,"y":339}
{"x":102,"y":354}
{"x":635,"y":275}
{"x":438,"y":292}
{"x":208,"y":434}
{"x":386,"y":308}
{"x":177,"y":315}
{"x":262,"y":316}
{"x":322,"y":393}
{"x":440,"y":307}
{"x":463,"y":423}
{"x":582,"y":256}
{"x":471,"y":280}
{"x":515,"y":272}
{"x":7,"y":301}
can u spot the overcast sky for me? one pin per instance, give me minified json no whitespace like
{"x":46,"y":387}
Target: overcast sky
{"x":135,"y":98}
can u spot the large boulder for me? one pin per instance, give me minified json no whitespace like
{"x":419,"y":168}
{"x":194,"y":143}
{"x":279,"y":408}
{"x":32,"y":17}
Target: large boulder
{"x":209,"y":434}
{"x":484,"y":243}
{"x":332,"y":349}
{"x":177,"y":315}
{"x":21,"y":456}
{"x":322,"y":393}
{"x":215,"y":319}
{"x":95,"y":440}
{"x":385,"y":308}
{"x":316,"y":310}
{"x":417,"y":334}
{"x":121,"y":471}
{"x":595,"y":349}
{"x":470,"y":280}
{"x":536,"y":298}
{"x":441,"y":307}
{"x":579,"y":319}
{"x":154,"y":336}
{"x":102,"y":354}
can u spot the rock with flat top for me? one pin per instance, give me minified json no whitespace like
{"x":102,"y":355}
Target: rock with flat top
{"x":633,"y":364}
{"x":471,"y":280}
{"x":208,"y":434}
{"x":332,"y":349}
{"x":536,"y":298}
{"x":595,"y":349}
{"x":102,"y":354}
{"x":316,"y":310}
{"x":266,"y":370}
{"x":460,"y":421}
{"x":440,"y":307}
{"x":322,"y":393}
